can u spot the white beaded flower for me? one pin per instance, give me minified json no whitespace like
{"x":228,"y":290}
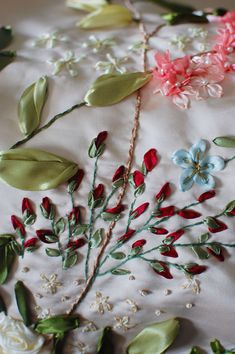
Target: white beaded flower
{"x":98,"y":45}
{"x":49,"y":40}
{"x":112,"y":65}
{"x":50,"y":284}
{"x":101,"y":303}
{"x":123,"y":323}
{"x":68,"y":62}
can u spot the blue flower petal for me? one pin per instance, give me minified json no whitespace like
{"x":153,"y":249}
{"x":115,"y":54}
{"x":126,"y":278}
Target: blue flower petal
{"x":204,"y":179}
{"x":212,"y":163}
{"x":182,"y":158}
{"x":198,"y":150}
{"x":186,"y":179}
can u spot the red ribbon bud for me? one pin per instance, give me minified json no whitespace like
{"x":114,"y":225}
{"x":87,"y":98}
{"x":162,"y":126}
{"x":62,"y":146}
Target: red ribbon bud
{"x":164,"y":273}
{"x":138,"y":178}
{"x":98,"y":192}
{"x":221,"y":226}
{"x":175,"y":235}
{"x":100,"y":138}
{"x":164,"y":192}
{"x":171,"y":252}
{"x":74,"y":216}
{"x":116,"y":210}
{"x":206,"y":195}
{"x":150,"y":159}
{"x":188,"y":214}
{"x":219,"y":256}
{"x":167,"y":211}
{"x":17,"y":224}
{"x":76,"y":244}
{"x":26,"y":205}
{"x":119,"y":173}
{"x":139,"y":243}
{"x":196,"y":269}
{"x":126,"y":236}
{"x":44,"y":232}
{"x":76,"y":179}
{"x":140,"y":210}
{"x":158,"y":231}
{"x":31,"y":242}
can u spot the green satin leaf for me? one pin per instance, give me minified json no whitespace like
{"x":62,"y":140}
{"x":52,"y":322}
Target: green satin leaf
{"x":107,"y":16}
{"x":120,"y":271}
{"x":105,"y":343}
{"x":118,"y":255}
{"x":96,"y":238}
{"x":109,"y":89}
{"x":175,"y":18}
{"x":200,"y":252}
{"x":7,"y":257}
{"x":6,"y":58}
{"x":21,"y":294}
{"x":84,"y":5}
{"x":57,"y":325}
{"x":229,"y":207}
{"x":225,"y":141}
{"x":31,"y":104}
{"x":5,"y":36}
{"x":70,"y":260}
{"x":52,"y":252}
{"x":31,"y":169}
{"x":155,"y":338}
{"x":216,"y":347}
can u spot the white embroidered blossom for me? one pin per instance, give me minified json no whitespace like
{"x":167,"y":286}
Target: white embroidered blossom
{"x":15,"y":337}
{"x":180,"y":41}
{"x":123,"y":323}
{"x":98,"y":45}
{"x":43,"y":313}
{"x":49,"y":40}
{"x":101,"y":303}
{"x":68,"y":62}
{"x":133,"y":306}
{"x":183,"y":41}
{"x":193,"y":284}
{"x":89,"y":327}
{"x":50,"y":284}
{"x":112,"y":65}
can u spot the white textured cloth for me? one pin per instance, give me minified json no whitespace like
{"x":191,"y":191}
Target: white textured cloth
{"x":162,"y":126}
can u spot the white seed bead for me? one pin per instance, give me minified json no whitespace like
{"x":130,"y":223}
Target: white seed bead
{"x":189,"y":305}
{"x":167,"y":292}
{"x":158,"y":312}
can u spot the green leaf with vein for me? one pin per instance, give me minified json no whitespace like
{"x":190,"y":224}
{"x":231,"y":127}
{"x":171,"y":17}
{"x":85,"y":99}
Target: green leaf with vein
{"x":5,"y":36}
{"x":120,"y":271}
{"x":225,"y":141}
{"x":21,"y":294}
{"x":96,"y":238}
{"x":117,"y":255}
{"x":52,"y":252}
{"x":7,"y":257}
{"x":6,"y":58}
{"x":200,"y":252}
{"x":57,"y":325}
{"x":107,"y":16}
{"x":59,"y":226}
{"x":155,"y":339}
{"x":109,"y":89}
{"x":70,"y":260}
{"x":31,"y":104}
{"x":31,"y":169}
{"x":105,"y":343}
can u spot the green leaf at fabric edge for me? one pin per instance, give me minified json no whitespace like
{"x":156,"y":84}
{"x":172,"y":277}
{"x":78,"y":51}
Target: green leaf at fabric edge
{"x":107,"y":16}
{"x":57,"y":325}
{"x":109,"y":89}
{"x":155,"y":338}
{"x":5,"y":36}
{"x":32,"y":169}
{"x":7,"y":257}
{"x":21,"y":294}
{"x":3,"y":307}
{"x":225,"y":141}
{"x":31,"y":104}
{"x":6,"y":58}
{"x":105,"y":343}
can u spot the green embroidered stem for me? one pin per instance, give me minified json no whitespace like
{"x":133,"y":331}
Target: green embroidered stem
{"x":59,"y":244}
{"x":44,"y":127}
{"x":69,"y":229}
{"x":114,"y":190}
{"x":129,"y":214}
{"x":230,"y":159}
{"x":72,"y":199}
{"x":91,"y":222}
{"x":116,"y":267}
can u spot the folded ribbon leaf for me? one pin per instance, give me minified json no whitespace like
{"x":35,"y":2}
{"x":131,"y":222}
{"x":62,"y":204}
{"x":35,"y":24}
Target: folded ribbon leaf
{"x":155,"y":338}
{"x":105,"y":343}
{"x":57,"y":325}
{"x":225,"y":141}
{"x":31,"y":169}
{"x":109,"y":89}
{"x":107,"y":16}
{"x":31,"y":104}
{"x":21,"y":295}
{"x":7,"y":256}
{"x":5,"y":36}
{"x":6,"y":58}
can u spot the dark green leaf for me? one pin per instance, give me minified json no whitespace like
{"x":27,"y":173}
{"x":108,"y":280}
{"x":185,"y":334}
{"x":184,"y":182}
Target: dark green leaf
{"x":215,"y":247}
{"x":211,"y":222}
{"x":70,"y":260}
{"x":6,"y":58}
{"x":57,"y":325}
{"x":174,"y":6}
{"x":204,"y":237}
{"x":120,"y":271}
{"x":195,"y":350}
{"x":216,"y":347}
{"x":7,"y":256}
{"x":52,"y":252}
{"x":5,"y":238}
{"x":229,"y":207}
{"x":117,"y":255}
{"x":175,"y":18}
{"x":17,"y":248}
{"x":110,"y":217}
{"x":225,"y":141}
{"x":51,"y":238}
{"x":157,"y":266}
{"x":200,"y":252}
{"x":21,"y":294}
{"x":105,"y":343}
{"x":5,"y":36}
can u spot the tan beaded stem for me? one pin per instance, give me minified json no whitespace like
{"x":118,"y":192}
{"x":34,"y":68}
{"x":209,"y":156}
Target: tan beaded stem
{"x":134,"y":133}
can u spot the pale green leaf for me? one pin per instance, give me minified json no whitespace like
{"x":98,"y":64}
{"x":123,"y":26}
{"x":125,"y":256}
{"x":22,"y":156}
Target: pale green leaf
{"x":154,"y":339}
{"x":157,"y":266}
{"x":6,"y":58}
{"x":59,"y":226}
{"x":5,"y":36}
{"x":79,"y":229}
{"x":200,"y":252}
{"x":117,"y":255}
{"x":70,"y":260}
{"x":121,"y":271}
{"x":21,"y":294}
{"x":96,"y":238}
{"x":52,"y":252}
{"x":204,"y":237}
{"x":31,"y":104}
{"x":109,"y":89}
{"x":57,"y":325}
{"x":84,"y":5}
{"x":225,"y":141}
{"x":31,"y":169}
{"x":229,"y":207}
{"x":107,"y":16}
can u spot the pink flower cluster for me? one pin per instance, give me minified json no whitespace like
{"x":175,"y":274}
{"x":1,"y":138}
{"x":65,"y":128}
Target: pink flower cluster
{"x":198,"y":76}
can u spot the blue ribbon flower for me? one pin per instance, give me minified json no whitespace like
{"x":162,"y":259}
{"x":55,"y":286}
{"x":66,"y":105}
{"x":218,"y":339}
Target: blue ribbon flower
{"x":197,"y":166}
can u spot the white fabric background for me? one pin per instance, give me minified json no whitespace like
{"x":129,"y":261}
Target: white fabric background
{"x":163,"y":126}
